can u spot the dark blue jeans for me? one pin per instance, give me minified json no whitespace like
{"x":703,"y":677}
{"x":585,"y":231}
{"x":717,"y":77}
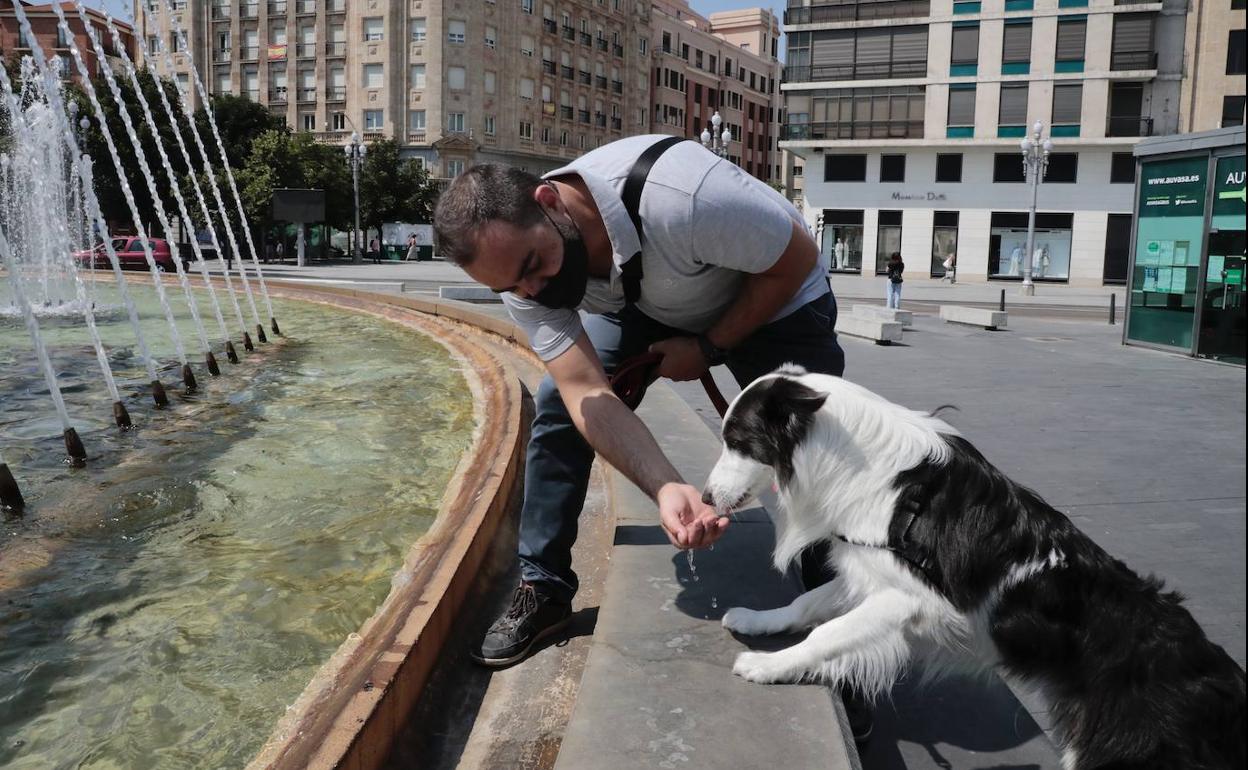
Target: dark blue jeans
{"x":559,"y":458}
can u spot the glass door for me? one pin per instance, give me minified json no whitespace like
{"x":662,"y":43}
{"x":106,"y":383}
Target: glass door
{"x":1222,"y":313}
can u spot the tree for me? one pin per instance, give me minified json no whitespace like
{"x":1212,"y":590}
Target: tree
{"x":392,"y":189}
{"x":240,"y":121}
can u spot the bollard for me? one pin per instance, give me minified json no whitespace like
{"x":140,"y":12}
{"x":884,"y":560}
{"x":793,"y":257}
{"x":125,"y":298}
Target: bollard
{"x":1002,"y":306}
{"x":1113,"y":299}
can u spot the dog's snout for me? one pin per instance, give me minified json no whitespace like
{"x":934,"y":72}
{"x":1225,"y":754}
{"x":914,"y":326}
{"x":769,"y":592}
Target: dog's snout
{"x":708,"y":498}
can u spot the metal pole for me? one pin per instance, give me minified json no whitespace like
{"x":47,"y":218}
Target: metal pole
{"x":1033,"y":168}
{"x":1113,"y":300}
{"x":358,"y":258}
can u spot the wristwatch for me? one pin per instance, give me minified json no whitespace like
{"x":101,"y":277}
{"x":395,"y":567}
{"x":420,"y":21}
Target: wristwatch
{"x":714,"y":356}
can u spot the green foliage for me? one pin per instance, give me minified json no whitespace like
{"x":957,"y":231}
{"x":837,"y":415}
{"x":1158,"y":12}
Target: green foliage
{"x":240,"y":121}
{"x":393,"y":190}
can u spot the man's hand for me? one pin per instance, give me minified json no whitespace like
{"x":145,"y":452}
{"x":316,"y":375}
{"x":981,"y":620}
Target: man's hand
{"x":682,"y":358}
{"x":688,"y":522}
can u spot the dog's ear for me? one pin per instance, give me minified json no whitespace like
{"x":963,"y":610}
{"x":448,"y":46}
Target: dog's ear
{"x":789,"y":396}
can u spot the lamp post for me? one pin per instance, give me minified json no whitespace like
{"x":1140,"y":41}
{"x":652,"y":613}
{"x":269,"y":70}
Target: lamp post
{"x":1035,"y":164}
{"x":355,"y":152}
{"x":715,"y":141}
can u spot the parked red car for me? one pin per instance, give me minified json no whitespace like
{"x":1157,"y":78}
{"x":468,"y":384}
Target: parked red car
{"x":129,"y":250}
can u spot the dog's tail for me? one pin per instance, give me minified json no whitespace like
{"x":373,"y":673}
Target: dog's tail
{"x":943,"y":407}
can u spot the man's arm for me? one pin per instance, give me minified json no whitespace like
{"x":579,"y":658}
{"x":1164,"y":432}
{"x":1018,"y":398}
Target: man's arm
{"x":761,"y":297}
{"x":622,"y":438}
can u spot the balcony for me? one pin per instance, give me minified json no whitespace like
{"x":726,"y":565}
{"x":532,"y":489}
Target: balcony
{"x":602,"y":44}
{"x":336,"y":94}
{"x":277,"y":95}
{"x":569,"y":33}
{"x":617,"y":86}
{"x":305,"y":50}
{"x":587,"y":39}
{"x":566,"y":72}
{"x":565,"y":112}
{"x":600,"y":119}
{"x":277,"y":7}
{"x":857,"y":71}
{"x":336,"y":6}
{"x":863,"y":129}
{"x":617,"y":51}
{"x":338,"y":48}
{"x":248,"y":10}
{"x":582,"y":116}
{"x":1133,"y":60}
{"x":305,"y":7}
{"x":856,"y":10}
{"x":617,"y":124}
{"x":548,"y":67}
{"x":221,"y":56}
{"x":306,"y":95}
{"x":550,"y":26}
{"x":221,"y":13}
{"x":1128,"y":125}
{"x":584,"y":78}
{"x":600,"y":81}
{"x":249,"y":53}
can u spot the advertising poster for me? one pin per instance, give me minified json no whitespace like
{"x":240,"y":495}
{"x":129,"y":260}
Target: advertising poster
{"x":1163,"y":279}
{"x":1173,"y":188}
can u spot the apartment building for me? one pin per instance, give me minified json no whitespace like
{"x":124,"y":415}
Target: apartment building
{"x":908,"y":116}
{"x":530,"y":83}
{"x":13,"y":40}
{"x":726,"y":62}
{"x":1213,"y":70}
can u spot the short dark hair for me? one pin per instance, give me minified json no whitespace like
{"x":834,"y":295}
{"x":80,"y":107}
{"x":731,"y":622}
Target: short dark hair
{"x":484,"y":193}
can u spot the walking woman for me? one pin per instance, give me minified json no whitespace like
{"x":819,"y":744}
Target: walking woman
{"x":894,"y":266}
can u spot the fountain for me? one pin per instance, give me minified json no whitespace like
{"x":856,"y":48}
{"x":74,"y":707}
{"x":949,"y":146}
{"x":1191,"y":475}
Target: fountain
{"x":207,"y":588}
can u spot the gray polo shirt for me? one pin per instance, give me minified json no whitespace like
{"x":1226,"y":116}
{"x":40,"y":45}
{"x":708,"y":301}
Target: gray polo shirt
{"x":707,"y":224}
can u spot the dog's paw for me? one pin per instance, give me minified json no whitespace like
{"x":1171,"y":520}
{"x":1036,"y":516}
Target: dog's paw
{"x":763,"y":668}
{"x":744,"y":621}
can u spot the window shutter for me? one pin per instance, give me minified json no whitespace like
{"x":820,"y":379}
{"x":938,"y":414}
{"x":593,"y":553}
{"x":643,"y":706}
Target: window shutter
{"x":1016,"y":46}
{"x":873,"y":46}
{"x":1133,"y":32}
{"x":910,"y":44}
{"x":833,"y":50}
{"x":1070,"y":40}
{"x":1067,"y":102}
{"x":962,"y":107}
{"x":1013,"y":105}
{"x":965,"y":45}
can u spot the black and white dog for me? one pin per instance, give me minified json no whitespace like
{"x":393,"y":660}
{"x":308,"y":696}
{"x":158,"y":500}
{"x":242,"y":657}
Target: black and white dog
{"x":935,"y":548}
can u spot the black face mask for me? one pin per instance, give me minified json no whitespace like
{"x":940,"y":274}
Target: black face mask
{"x":567,"y":288}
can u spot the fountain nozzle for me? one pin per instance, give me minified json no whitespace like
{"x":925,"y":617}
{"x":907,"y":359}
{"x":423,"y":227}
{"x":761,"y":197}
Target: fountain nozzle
{"x":273,"y":322}
{"x":73,"y":445}
{"x":10,"y":495}
{"x":260,"y":333}
{"x":247,"y":343}
{"x":121,"y":416}
{"x":230,"y":352}
{"x":213,"y":369}
{"x":158,"y":394}
{"x":188,"y":377}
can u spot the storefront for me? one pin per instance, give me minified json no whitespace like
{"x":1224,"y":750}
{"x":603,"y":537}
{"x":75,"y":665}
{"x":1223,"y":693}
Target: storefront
{"x":1187,"y":261}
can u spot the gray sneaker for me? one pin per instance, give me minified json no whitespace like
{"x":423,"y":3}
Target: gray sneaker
{"x":531,"y":617}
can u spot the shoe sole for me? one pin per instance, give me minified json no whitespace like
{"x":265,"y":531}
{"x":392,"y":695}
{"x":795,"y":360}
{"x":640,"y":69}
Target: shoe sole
{"x":519,"y":656}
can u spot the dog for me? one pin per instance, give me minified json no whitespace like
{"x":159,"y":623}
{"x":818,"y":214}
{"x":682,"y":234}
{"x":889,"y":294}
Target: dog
{"x":939,"y":555}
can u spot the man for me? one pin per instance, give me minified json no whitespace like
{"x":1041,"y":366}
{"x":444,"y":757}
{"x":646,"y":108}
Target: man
{"x":729,"y":274}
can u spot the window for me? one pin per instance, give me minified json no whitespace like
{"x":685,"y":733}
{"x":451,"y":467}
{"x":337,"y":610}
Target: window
{"x":374,"y":29}
{"x":277,"y":33}
{"x":853,"y":54}
{"x":1016,"y":49}
{"x":962,"y":107}
{"x":491,"y":81}
{"x":491,"y":39}
{"x":419,"y":30}
{"x":1007,"y":245}
{"x":374,"y":120}
{"x":1067,"y":103}
{"x":845,"y":168}
{"x":490,"y":125}
{"x":416,"y":121}
{"x":854,"y":113}
{"x":455,"y":167}
{"x":456,"y":31}
{"x":1235,"y":52}
{"x":455,"y":122}
{"x":1013,"y":105}
{"x":308,"y":121}
{"x":1063,"y":167}
{"x":1072,"y":35}
{"x":1132,"y":47}
{"x":944,"y":241}
{"x":418,"y":76}
{"x":949,"y":167}
{"x":841,"y":240}
{"x":526,"y":45}
{"x":456,"y":78}
{"x":374,"y":75}
{"x":1122,"y":168}
{"x":526,"y":88}
{"x":892,"y":168}
{"x":1232,"y":111}
{"x":965,"y":52}
{"x":526,"y":129}
{"x":888,"y":239}
{"x":338,"y":121}
{"x":1008,"y":167}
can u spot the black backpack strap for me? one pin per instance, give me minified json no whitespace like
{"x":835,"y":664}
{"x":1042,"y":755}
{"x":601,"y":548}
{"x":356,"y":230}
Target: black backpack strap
{"x":631,"y":270}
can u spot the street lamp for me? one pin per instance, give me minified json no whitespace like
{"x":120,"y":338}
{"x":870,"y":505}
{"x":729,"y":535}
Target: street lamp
{"x":716,"y":142}
{"x":355,"y":152}
{"x":1035,"y":165}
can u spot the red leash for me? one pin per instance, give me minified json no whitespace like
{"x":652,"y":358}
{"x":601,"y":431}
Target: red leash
{"x":634,"y":375}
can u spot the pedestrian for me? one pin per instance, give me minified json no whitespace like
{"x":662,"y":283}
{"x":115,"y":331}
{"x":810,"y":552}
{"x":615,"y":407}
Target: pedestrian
{"x":670,"y":271}
{"x":894,"y":266}
{"x":951,"y":268}
{"x":281,"y":250}
{"x":374,"y":250}
{"x":413,"y":252}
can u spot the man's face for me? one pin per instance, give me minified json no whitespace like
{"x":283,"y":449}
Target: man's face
{"x":520,"y":260}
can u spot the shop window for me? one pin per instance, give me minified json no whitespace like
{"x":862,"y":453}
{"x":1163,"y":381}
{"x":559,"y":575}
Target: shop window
{"x":888,"y":239}
{"x":949,"y":167}
{"x":1007,"y":245}
{"x":1063,"y":167}
{"x":892,"y":168}
{"x":845,"y":168}
{"x":944,"y":242}
{"x":841,"y":244}
{"x":1007,"y":167}
{"x":1122,"y":168}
